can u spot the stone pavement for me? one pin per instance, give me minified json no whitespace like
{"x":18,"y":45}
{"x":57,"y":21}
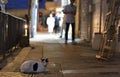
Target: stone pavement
{"x":64,"y":60}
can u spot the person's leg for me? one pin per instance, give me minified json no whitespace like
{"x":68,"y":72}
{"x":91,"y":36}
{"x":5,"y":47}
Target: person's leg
{"x":49,"y":28}
{"x":58,"y":28}
{"x":61,"y":33}
{"x":73,"y":32}
{"x":66,"y":32}
{"x":55,"y":28}
{"x":62,"y":29}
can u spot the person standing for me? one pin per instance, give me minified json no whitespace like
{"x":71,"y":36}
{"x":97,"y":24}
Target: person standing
{"x":70,"y":11}
{"x":50,"y":23}
{"x":63,"y":26}
{"x":57,"y":22}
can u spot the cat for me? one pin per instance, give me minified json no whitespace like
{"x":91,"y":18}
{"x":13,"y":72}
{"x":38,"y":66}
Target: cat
{"x":32,"y":66}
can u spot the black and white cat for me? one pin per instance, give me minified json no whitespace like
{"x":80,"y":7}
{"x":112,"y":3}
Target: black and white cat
{"x":32,"y":66}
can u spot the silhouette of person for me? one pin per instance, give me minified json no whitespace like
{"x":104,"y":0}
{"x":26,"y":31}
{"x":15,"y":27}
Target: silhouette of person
{"x":63,"y":26}
{"x":57,"y":23}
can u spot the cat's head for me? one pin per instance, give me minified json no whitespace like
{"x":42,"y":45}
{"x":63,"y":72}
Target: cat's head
{"x":44,"y":61}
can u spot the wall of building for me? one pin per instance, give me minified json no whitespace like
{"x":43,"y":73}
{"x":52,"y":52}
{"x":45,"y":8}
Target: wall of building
{"x":90,"y":20}
{"x":85,"y":19}
{"x":96,"y":15}
{"x":96,"y":20}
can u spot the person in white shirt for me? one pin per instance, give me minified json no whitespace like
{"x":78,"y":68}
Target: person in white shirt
{"x":50,"y":23}
{"x":70,"y":11}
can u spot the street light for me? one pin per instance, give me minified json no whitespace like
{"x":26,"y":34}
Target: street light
{"x":25,"y":30}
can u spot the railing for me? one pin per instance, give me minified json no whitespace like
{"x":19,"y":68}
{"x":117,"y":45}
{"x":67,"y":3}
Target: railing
{"x":11,"y":32}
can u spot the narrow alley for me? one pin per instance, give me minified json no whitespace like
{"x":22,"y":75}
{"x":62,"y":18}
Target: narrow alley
{"x":80,"y":62}
{"x":31,"y":30}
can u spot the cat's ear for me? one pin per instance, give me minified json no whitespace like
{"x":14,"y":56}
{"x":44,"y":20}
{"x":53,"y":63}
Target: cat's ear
{"x":42,"y":59}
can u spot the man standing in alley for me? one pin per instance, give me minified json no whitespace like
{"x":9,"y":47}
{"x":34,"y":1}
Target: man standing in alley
{"x":70,"y":11}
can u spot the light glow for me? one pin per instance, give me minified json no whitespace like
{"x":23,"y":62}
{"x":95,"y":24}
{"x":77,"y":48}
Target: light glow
{"x":25,"y":26}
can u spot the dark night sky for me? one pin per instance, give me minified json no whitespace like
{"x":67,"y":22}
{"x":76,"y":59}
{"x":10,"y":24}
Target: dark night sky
{"x":22,"y":4}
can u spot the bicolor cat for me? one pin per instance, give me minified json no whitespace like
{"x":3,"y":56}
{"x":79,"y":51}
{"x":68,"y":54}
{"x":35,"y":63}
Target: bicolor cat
{"x":32,"y":66}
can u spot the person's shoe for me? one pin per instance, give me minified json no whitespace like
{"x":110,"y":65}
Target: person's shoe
{"x":73,"y":42}
{"x":60,"y":36}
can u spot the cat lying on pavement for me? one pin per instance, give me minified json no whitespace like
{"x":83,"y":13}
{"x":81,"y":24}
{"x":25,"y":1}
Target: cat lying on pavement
{"x":32,"y":66}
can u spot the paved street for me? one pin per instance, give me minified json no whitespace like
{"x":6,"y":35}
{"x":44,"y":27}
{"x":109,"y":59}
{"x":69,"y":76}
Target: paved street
{"x":64,"y":60}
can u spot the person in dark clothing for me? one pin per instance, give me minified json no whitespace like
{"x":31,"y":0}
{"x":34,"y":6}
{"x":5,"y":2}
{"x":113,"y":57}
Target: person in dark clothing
{"x":70,"y":11}
{"x":57,"y":23}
